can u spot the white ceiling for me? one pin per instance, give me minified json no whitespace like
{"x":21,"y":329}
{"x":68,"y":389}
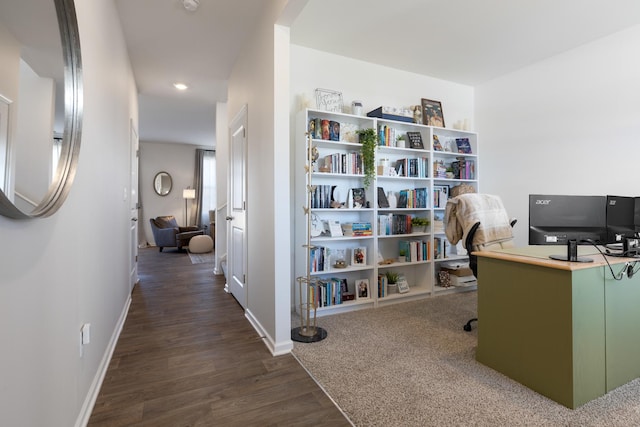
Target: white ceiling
{"x":465,"y":41}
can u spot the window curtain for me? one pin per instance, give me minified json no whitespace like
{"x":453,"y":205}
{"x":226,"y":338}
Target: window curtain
{"x":205,"y":185}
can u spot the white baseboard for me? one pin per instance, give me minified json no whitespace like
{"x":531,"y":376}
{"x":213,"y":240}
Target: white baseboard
{"x":94,"y":390}
{"x":276,"y":349}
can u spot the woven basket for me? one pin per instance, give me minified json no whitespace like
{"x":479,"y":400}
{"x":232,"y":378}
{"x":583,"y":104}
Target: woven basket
{"x":462,"y":189}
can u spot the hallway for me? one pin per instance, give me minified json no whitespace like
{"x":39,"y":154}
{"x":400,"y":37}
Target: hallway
{"x":187,"y":356}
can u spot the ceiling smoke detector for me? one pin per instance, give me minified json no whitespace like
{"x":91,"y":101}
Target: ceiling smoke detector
{"x":191,"y":5}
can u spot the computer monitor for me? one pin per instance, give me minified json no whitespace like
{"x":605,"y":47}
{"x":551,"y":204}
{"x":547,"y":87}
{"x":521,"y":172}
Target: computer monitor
{"x":636,"y":217}
{"x":556,"y":219}
{"x":620,"y":218}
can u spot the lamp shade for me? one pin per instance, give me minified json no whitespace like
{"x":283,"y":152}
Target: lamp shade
{"x":189,"y":193}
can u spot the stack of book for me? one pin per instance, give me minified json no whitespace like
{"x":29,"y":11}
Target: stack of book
{"x":361,"y":229}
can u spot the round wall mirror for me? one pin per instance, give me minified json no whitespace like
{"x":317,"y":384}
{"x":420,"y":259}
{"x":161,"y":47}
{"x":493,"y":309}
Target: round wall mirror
{"x":162,"y":183}
{"x":40,"y":105}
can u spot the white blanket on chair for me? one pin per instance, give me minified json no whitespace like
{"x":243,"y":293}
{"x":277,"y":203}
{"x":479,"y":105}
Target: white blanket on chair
{"x":463,"y":211}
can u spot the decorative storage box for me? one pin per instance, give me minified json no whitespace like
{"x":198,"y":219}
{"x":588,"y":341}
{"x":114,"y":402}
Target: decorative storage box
{"x":462,"y":281}
{"x":457,"y":269}
{"x":392,"y":113}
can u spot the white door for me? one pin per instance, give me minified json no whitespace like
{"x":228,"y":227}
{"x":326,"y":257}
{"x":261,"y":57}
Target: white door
{"x":237,"y":250}
{"x":133,"y":208}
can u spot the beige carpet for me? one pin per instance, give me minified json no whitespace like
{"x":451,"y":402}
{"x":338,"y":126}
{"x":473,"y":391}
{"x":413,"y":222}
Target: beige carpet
{"x":411,"y":364}
{"x":208,"y":257}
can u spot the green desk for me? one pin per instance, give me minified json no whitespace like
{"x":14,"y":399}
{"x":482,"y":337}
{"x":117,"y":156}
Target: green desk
{"x":566,"y":330}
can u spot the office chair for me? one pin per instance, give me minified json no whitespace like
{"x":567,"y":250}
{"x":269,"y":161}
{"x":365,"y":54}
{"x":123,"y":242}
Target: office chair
{"x":481,"y":222}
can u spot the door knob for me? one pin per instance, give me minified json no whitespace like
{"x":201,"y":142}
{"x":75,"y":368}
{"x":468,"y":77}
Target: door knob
{"x":229,"y":218}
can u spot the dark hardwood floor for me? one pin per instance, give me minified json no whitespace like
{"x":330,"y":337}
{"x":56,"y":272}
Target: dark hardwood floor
{"x":188,"y":357}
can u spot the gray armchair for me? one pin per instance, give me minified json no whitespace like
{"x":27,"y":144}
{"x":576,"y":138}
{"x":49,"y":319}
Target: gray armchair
{"x":167,"y":233}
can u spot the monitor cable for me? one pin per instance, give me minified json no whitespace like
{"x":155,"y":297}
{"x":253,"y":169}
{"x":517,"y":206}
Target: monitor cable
{"x":622,"y":272}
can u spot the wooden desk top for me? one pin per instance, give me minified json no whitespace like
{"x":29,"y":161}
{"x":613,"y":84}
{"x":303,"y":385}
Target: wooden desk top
{"x":539,"y":255}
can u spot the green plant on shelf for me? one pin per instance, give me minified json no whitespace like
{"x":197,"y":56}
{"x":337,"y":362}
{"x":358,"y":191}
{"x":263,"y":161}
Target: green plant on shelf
{"x":369,"y":140}
{"x":420,"y":222}
{"x":392,"y":277}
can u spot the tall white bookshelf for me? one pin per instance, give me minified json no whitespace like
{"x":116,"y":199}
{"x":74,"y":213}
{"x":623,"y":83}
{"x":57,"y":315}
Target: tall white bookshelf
{"x":334,"y":176}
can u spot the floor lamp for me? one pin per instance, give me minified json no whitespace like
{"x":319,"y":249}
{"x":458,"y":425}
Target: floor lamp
{"x":188,"y":194}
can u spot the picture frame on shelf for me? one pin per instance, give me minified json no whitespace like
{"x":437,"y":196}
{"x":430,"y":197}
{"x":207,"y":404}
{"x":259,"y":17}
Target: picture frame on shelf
{"x":329,"y":100}
{"x":335,"y":229}
{"x":359,"y":256}
{"x":403,"y":285}
{"x":415,"y":140}
{"x":362,"y":289}
{"x":463,"y":145}
{"x":432,"y":114}
{"x":357,"y":198}
{"x":436,"y":143}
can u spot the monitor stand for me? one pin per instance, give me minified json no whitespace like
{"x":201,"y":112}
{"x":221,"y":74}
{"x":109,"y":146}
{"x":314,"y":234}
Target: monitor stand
{"x":572,"y":254}
{"x":566,"y":258}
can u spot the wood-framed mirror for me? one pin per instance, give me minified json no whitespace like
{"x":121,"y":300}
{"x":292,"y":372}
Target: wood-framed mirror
{"x":162,"y":183}
{"x":40,"y":105}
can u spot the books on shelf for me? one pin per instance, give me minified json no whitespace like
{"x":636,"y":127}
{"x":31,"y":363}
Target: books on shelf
{"x":411,"y":199}
{"x":440,"y":196}
{"x":329,"y":292}
{"x":415,"y":250}
{"x":322,"y":196}
{"x":412,"y":168}
{"x":464,"y":168}
{"x":392,"y":224}
{"x":361,"y":229}
{"x":441,"y":248}
{"x":341,"y":163}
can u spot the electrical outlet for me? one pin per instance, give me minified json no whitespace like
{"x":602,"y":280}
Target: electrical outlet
{"x":85,"y":337}
{"x":86,"y":333}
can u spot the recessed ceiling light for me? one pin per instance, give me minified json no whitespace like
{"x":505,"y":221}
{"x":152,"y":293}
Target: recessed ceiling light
{"x":180,"y":86}
{"x":191,"y":5}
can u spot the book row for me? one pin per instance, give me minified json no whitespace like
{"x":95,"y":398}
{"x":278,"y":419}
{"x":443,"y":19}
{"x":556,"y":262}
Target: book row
{"x":324,"y":129}
{"x":412,"y":167}
{"x":391,"y":224}
{"x":415,"y":250}
{"x":343,"y":163}
{"x":459,"y":169}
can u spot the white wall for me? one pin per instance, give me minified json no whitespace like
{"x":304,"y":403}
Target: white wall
{"x":253,"y":83}
{"x":372,"y":84}
{"x":222,"y":169}
{"x":566,"y":125}
{"x":72,"y":268}
{"x":179,"y":161}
